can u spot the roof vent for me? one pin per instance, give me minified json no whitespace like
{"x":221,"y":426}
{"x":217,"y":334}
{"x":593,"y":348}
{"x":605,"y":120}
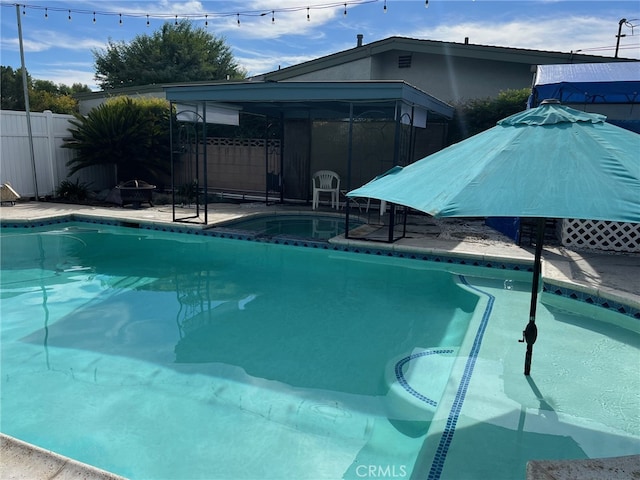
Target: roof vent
{"x":359,"y":37}
{"x":404,"y":61}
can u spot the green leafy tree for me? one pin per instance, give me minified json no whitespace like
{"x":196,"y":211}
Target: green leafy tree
{"x":477,"y":115}
{"x":132,"y":135}
{"x":174,"y":53}
{"x":43,"y":94}
{"x":11,"y":89}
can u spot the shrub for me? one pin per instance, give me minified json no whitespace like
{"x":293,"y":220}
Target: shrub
{"x":132,"y":135}
{"x":73,"y":192}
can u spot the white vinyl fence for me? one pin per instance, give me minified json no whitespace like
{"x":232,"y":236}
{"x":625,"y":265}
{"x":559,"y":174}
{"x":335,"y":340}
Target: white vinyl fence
{"x":48,"y":131}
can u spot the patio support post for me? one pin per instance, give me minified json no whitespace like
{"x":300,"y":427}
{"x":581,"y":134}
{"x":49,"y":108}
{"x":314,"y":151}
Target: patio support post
{"x":204,"y":160}
{"x":349,"y":155}
{"x":266,"y":160}
{"x":530,"y":333}
{"x":281,"y":136}
{"x":173,"y":184}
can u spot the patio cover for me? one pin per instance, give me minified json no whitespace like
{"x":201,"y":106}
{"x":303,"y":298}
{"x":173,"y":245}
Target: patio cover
{"x":375,"y":99}
{"x":617,"y":82}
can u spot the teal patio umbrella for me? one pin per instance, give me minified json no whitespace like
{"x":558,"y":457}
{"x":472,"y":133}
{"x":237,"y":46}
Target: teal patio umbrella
{"x":547,"y":162}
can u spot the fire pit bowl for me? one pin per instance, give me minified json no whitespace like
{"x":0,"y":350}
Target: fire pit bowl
{"x":135,"y":192}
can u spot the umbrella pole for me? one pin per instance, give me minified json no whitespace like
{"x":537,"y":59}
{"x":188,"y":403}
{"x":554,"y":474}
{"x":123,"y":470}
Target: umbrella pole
{"x":530,"y":333}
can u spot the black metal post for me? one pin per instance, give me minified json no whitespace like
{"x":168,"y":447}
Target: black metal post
{"x":620,"y":23}
{"x":205,"y":161}
{"x":349,"y":158}
{"x":530,"y":333}
{"x":173,"y":184}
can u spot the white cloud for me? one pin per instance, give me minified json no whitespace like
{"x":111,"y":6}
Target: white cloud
{"x":67,"y":76}
{"x":47,"y":40}
{"x":588,"y":35}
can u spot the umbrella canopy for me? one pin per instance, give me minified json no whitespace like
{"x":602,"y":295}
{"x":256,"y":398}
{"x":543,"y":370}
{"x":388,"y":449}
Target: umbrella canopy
{"x":550,"y":161}
{"x":546,"y":162}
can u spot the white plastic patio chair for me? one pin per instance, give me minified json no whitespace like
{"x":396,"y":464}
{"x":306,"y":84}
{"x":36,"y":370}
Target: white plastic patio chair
{"x":326,"y":181}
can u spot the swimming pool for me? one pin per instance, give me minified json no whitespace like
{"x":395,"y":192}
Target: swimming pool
{"x":161,"y":355}
{"x":321,"y":227}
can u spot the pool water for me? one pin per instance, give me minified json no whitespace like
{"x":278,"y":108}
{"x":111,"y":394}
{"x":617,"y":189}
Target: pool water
{"x":320,"y":227}
{"x":169,"y":356}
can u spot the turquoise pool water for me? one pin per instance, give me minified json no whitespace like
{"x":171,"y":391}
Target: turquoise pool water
{"x":169,"y":356}
{"x":320,"y":227}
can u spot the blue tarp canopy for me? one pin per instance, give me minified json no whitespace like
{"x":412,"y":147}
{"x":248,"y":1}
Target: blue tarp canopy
{"x":617,"y":82}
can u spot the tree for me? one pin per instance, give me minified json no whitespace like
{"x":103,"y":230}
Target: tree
{"x":130,"y":134}
{"x":478,"y":115}
{"x":11,"y":89}
{"x":174,"y":53}
{"x":43,"y":94}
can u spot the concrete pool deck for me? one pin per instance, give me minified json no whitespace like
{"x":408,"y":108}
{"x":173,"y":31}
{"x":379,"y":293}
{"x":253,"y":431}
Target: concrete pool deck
{"x":613,"y":276}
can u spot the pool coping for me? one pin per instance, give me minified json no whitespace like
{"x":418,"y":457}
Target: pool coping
{"x":24,"y":461}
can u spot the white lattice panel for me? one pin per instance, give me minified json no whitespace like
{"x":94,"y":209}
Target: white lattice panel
{"x":601,"y":235}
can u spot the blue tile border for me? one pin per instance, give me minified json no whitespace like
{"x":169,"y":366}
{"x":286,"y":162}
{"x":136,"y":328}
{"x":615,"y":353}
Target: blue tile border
{"x":450,"y":428}
{"x":403,"y":381}
{"x":221,"y":232}
{"x":592,"y":299}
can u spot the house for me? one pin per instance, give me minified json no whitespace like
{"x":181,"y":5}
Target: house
{"x":390,"y":130}
{"x":452,"y":72}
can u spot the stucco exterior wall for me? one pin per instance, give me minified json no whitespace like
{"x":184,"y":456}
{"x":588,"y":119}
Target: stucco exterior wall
{"x":357,"y":70}
{"x":453,"y":79}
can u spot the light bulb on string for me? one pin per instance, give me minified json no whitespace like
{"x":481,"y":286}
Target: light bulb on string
{"x":69,"y":17}
{"x":120,"y":21}
{"x":94,"y":17}
{"x":426,"y":3}
{"x":24,"y":12}
{"x":384,"y":8}
{"x":238,"y":18}
{"x":345,"y":10}
{"x":273,"y":17}
{"x":206,"y":20}
{"x":308,"y":17}
{"x":176,"y":21}
{"x":148,"y":20}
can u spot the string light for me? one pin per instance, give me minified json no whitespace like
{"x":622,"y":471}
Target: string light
{"x":326,"y":4}
{"x":426,"y":3}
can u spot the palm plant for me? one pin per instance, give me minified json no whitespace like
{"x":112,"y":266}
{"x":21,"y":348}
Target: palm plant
{"x":130,"y":134}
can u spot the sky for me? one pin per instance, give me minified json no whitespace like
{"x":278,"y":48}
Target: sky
{"x":273,"y":34}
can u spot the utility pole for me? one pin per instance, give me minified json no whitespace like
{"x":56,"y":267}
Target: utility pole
{"x":620,"y":23}
{"x":26,"y":104}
